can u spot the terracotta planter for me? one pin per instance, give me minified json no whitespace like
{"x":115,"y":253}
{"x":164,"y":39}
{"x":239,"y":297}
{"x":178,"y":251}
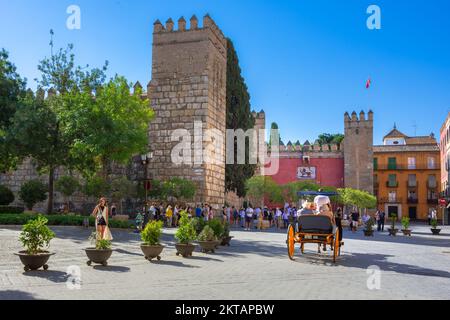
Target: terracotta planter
{"x":98,"y":256}
{"x":208,"y":246}
{"x":406,"y":232}
{"x":185,"y":250}
{"x":368,"y":233}
{"x":34,"y":261}
{"x":226,"y":241}
{"x":436,"y":231}
{"x":392,"y":232}
{"x":152,"y":252}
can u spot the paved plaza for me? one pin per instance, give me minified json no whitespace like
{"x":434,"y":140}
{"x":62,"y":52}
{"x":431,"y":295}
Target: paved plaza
{"x":256,"y":266}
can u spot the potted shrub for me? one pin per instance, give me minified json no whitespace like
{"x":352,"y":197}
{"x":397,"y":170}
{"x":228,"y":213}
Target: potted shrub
{"x":226,"y":238}
{"x":207,"y":240}
{"x":35,"y":237}
{"x":101,"y":253}
{"x":434,"y":227}
{"x":150,"y":237}
{"x":368,"y":231}
{"x":199,"y":224}
{"x":185,"y":235}
{"x":392,"y":230}
{"x":217,"y":226}
{"x":405,"y":224}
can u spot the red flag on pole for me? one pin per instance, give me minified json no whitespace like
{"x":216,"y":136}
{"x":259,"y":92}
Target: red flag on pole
{"x":368,"y":83}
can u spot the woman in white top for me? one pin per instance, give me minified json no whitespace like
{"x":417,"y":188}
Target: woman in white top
{"x":101,"y":218}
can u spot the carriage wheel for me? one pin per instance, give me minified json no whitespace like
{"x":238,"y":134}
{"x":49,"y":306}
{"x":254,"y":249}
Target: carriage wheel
{"x":336,"y":245}
{"x":291,"y":241}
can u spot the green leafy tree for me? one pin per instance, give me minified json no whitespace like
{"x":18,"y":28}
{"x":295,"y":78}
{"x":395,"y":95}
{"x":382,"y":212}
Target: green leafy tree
{"x":6,"y":196}
{"x":12,"y":90}
{"x":112,"y":127}
{"x":274,"y":126}
{"x":260,"y":188}
{"x":179,"y":189}
{"x":239,"y":116}
{"x":357,"y":198}
{"x":67,"y":186}
{"x":36,"y":133}
{"x":290,"y":190}
{"x":32,"y":192}
{"x":327,"y":138}
{"x":122,"y":188}
{"x":96,"y":186}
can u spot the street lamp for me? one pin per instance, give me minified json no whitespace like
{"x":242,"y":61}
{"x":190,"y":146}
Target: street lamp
{"x":145,"y":160}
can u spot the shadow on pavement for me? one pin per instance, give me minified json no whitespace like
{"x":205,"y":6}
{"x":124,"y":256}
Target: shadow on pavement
{"x":364,"y":260}
{"x":15,"y":295}
{"x":173,"y":264}
{"x":128,"y":252}
{"x":194,"y":257}
{"x":111,"y":268}
{"x":54,"y":276}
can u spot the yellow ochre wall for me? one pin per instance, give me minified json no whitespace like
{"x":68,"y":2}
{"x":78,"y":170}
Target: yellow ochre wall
{"x":422,"y":172}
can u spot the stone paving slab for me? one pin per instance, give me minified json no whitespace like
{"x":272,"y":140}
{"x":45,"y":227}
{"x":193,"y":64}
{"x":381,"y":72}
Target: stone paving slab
{"x":256,"y":266}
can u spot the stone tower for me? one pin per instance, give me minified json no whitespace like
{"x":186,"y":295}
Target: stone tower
{"x":189,"y":86}
{"x":358,"y":151}
{"x":260,"y":124}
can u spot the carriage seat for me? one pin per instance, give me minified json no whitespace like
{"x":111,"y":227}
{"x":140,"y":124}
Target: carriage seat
{"x":315,"y":224}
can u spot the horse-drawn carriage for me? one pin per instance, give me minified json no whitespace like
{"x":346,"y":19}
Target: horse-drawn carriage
{"x":321,"y":229}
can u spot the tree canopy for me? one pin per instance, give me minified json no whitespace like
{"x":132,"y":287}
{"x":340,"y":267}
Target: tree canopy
{"x":85,"y":123}
{"x":327,"y":138}
{"x":12,"y":89}
{"x":260,"y":188}
{"x":358,"y":198}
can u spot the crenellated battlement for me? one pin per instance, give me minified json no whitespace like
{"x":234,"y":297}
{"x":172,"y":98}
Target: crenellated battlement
{"x":362,"y":117}
{"x":208,"y":25}
{"x":308,"y":148}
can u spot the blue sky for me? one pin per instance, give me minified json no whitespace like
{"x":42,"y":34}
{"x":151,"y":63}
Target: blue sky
{"x":305,"y":61}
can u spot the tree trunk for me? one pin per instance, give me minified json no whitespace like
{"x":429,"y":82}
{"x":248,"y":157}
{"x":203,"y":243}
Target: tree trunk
{"x":51,"y":179}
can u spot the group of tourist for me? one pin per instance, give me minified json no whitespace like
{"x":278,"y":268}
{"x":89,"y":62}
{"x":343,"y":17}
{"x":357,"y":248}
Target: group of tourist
{"x":354,"y":220}
{"x":264,"y":217}
{"x":170,"y":214}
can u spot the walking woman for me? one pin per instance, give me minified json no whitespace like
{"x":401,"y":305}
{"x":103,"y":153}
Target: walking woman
{"x":101,"y":220}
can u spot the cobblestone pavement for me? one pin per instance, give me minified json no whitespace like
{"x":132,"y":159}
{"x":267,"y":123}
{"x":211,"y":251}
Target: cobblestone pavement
{"x":256,"y":266}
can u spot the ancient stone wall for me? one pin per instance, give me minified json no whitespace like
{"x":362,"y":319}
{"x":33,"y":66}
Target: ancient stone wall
{"x":189,"y":85}
{"x":358,"y":155}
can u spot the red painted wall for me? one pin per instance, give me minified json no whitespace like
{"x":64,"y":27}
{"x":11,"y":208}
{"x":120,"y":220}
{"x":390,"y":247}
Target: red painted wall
{"x":329,"y":171}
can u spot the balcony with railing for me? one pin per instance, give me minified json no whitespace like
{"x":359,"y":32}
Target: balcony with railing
{"x":433,"y":201}
{"x":390,"y":200}
{"x":385,"y":167}
{"x":413,"y":200}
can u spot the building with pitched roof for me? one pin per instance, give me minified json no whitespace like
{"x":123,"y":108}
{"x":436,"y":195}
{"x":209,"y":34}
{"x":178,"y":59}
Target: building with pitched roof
{"x":407,"y":174}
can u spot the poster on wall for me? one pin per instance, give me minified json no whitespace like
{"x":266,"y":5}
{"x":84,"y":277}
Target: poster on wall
{"x":306,"y":173}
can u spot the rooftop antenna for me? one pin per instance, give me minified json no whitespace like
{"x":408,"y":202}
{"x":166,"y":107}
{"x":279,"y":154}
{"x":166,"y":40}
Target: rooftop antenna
{"x":415,"y":128}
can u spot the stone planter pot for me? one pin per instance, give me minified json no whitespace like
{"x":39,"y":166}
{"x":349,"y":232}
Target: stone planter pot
{"x":208,"y":246}
{"x":98,"y":256}
{"x":406,"y":232}
{"x":226,"y":241}
{"x":436,"y":232}
{"x":34,"y":261}
{"x":392,"y":232}
{"x":368,"y":233}
{"x":185,"y":250}
{"x":152,"y":252}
